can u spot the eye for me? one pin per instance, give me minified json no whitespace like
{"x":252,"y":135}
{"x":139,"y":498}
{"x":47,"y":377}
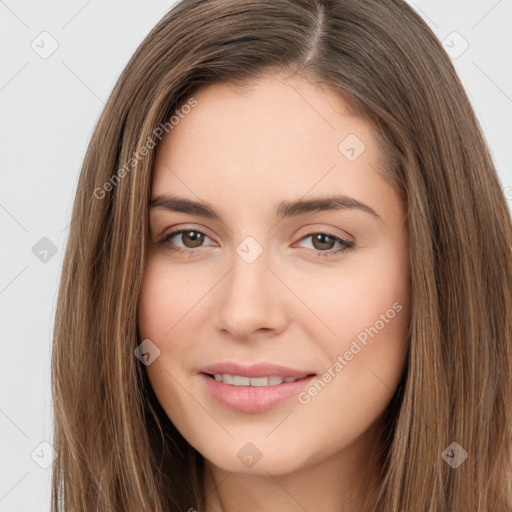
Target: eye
{"x":324,"y":244}
{"x":191,"y":239}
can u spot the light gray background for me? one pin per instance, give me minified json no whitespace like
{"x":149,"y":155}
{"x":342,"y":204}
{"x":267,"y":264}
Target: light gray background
{"x":49,"y":107}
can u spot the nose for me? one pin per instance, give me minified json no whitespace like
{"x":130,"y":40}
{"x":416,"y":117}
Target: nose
{"x":252,"y":300}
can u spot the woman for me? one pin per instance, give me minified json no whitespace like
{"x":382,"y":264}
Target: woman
{"x":288,"y":281}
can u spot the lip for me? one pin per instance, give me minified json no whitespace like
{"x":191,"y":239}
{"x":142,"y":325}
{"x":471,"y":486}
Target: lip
{"x":255,"y":370}
{"x":253,"y":399}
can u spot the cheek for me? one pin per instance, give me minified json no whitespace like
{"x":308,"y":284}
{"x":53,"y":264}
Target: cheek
{"x":364,"y":360}
{"x":354,"y":297}
{"x":367,"y":309}
{"x":161,"y":307}
{"x":372,"y":328}
{"x":155,"y":299}
{"x":166,"y":297}
{"x":172,"y":315}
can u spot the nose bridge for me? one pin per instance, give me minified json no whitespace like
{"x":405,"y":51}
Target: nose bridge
{"x":249,"y":301}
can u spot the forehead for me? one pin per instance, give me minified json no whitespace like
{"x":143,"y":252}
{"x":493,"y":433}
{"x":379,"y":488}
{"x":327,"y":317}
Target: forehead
{"x":278,"y":137}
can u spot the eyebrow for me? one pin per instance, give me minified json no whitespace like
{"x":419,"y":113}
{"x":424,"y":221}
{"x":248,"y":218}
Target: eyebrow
{"x":283,"y":209}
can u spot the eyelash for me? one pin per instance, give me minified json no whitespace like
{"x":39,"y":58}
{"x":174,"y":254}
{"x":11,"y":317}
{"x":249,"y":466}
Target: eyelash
{"x":346,"y":245}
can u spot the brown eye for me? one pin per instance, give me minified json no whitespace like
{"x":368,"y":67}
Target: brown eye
{"x":324,"y":244}
{"x":192,"y":239}
{"x":183,"y":240}
{"x":322,"y":241}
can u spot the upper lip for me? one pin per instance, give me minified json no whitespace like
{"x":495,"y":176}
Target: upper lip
{"x":254,"y":370}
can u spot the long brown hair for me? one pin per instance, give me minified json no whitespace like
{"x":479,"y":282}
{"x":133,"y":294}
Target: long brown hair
{"x":117,"y":448}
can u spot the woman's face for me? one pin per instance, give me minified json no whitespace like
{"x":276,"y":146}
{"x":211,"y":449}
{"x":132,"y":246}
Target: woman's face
{"x":293,"y":262}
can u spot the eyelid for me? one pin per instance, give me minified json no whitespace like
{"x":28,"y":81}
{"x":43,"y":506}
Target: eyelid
{"x":316,"y":228}
{"x":308,"y":231}
{"x":347,"y":243}
{"x":175,"y":230}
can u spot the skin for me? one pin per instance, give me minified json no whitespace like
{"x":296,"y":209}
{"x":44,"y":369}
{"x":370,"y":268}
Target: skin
{"x":243,"y":152}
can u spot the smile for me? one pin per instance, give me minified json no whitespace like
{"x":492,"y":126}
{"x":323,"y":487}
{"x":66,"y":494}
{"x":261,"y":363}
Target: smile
{"x":253,"y":394}
{"x":239,"y":380}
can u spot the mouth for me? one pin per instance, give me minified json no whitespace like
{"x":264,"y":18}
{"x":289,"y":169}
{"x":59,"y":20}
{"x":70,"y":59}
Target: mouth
{"x":241,"y":380}
{"x":254,"y":394}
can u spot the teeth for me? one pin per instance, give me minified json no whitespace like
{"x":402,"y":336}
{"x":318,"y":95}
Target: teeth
{"x":258,"y":381}
{"x":237,"y":380}
{"x":240,"y":381}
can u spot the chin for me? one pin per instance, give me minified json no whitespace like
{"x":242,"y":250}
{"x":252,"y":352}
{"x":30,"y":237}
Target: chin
{"x":257,"y":459}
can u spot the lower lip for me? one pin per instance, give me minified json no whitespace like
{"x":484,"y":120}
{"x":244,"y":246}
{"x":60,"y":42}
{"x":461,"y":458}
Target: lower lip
{"x":254,"y":398}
